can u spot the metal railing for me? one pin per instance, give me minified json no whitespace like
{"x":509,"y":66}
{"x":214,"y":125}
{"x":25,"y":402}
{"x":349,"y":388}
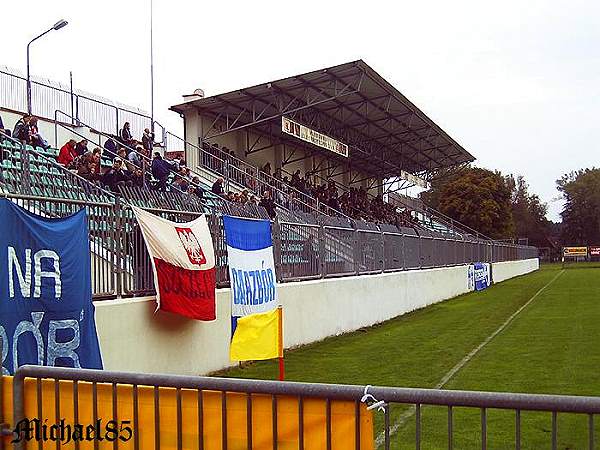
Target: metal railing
{"x":242,"y":175}
{"x":470,"y":412}
{"x":47,"y":96}
{"x":304,"y":249}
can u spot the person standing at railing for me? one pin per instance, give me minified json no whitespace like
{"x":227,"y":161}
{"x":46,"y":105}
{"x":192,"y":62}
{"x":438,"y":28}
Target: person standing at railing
{"x":267,"y":202}
{"x":217,"y":187}
{"x":148,"y":140}
{"x":125,"y":135}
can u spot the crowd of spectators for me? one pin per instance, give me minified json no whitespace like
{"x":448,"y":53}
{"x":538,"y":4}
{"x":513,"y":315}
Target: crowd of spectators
{"x":131,"y":164}
{"x":292,"y":192}
{"x":133,"y":161}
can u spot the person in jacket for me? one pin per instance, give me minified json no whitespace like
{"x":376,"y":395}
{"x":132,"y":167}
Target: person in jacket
{"x":161,"y":170}
{"x":67,"y":154}
{"x":21,"y":129}
{"x":115,"y":176}
{"x":125,"y":135}
{"x":35,"y":139}
{"x":148,"y":140}
{"x":217,"y":187}
{"x":267,"y":202}
{"x":81,"y":147}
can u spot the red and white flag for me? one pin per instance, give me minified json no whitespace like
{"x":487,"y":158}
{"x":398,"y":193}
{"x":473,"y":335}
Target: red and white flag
{"x":183,"y":260}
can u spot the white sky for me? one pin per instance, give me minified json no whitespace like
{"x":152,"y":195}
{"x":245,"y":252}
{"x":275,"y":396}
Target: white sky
{"x":515,"y":82}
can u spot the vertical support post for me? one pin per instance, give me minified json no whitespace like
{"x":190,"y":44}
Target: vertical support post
{"x":382,"y":253}
{"x":322,"y":264}
{"x":357,"y":251}
{"x":276,"y":233}
{"x":26,"y":168}
{"x":120,"y":242}
{"x":280,"y":344}
{"x":72,"y":102}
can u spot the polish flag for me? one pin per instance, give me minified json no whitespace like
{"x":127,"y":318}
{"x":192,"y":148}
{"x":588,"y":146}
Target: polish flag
{"x":183,"y":260}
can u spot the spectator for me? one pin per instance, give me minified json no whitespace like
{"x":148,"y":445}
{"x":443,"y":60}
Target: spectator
{"x":160,"y":170}
{"x":115,"y":176}
{"x":88,"y":169}
{"x":134,"y":156}
{"x":181,"y":180}
{"x":35,"y":138}
{"x":217,"y":187}
{"x":111,"y":146}
{"x":148,"y":140}
{"x":196,"y":188}
{"x":266,"y":168}
{"x":137,"y":177}
{"x":125,"y":135}
{"x":21,"y":129}
{"x":81,"y":147}
{"x":67,"y":154}
{"x":267,"y":202}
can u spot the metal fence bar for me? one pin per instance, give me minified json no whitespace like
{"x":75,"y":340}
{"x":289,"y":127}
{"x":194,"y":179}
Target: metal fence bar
{"x":390,"y":395}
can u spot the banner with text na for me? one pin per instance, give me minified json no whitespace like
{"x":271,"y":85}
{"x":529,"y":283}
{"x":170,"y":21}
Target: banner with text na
{"x":256,"y":331}
{"x":46,"y":310}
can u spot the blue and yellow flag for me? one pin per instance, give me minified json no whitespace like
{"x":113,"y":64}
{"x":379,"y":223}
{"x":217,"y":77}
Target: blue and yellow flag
{"x":256,"y":319}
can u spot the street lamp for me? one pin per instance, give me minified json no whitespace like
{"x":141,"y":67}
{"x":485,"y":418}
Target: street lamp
{"x":57,"y":26}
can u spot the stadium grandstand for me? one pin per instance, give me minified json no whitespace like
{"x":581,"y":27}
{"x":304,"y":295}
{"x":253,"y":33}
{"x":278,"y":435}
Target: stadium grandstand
{"x":321,"y":154}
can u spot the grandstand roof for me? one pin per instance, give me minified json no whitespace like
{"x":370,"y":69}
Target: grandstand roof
{"x":350,"y":102}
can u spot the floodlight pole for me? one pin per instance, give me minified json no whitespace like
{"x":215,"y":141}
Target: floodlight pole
{"x":57,"y":26}
{"x":151,"y":70}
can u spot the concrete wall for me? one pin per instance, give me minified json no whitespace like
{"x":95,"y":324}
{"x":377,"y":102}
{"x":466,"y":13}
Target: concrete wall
{"x":135,"y":338}
{"x":505,"y":270}
{"x":59,"y":134}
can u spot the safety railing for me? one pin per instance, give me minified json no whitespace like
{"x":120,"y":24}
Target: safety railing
{"x":47,"y":96}
{"x":240,"y":174}
{"x":303,"y":249}
{"x":172,"y":411}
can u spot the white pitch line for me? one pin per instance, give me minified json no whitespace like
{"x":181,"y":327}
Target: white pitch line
{"x":450,"y":374}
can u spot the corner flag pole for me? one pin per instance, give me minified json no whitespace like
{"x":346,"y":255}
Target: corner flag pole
{"x":280,"y":332}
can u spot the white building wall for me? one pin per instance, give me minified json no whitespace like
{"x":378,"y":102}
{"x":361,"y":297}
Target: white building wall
{"x":135,"y":338}
{"x":505,"y":270}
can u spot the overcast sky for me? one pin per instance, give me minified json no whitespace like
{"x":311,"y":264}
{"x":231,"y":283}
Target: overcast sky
{"x":515,"y":82}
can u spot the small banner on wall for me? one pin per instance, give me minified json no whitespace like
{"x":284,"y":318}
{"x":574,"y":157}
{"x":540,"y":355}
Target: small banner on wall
{"x":46,"y":309}
{"x":255,"y":314}
{"x":183,"y":260}
{"x":479,"y":276}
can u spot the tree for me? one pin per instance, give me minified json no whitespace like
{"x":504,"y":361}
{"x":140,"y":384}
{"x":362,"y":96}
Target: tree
{"x":581,"y":213}
{"x":476,"y":197}
{"x":529,"y":214}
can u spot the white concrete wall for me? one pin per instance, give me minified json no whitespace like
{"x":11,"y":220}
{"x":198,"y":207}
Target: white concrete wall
{"x":505,"y":270}
{"x":135,"y":338}
{"x":47,"y":130}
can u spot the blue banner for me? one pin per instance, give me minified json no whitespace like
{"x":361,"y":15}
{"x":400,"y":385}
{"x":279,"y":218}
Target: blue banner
{"x":481,"y":276}
{"x":46,"y":310}
{"x":251,"y":266}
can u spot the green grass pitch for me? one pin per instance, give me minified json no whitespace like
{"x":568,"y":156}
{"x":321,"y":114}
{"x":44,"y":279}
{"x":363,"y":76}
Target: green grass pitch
{"x":551,"y":347}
